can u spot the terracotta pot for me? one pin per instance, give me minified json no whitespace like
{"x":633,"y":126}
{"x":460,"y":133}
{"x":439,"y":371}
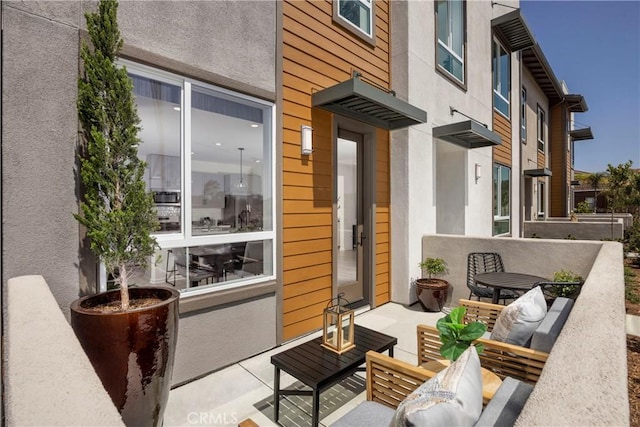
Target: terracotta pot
{"x":132,"y":352}
{"x":432,"y":293}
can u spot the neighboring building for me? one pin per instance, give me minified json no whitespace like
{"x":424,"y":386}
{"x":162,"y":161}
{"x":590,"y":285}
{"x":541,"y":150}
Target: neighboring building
{"x":539,"y":92}
{"x":285,"y":168}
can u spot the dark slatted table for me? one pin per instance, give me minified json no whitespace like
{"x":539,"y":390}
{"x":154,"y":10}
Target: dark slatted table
{"x":319,"y":368}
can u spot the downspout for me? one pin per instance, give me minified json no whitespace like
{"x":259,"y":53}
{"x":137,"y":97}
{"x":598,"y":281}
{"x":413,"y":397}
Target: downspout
{"x":519,"y":139}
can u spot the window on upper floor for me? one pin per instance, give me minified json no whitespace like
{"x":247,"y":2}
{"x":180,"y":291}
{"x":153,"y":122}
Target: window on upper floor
{"x":523,"y":115}
{"x":542,"y":128}
{"x":356,"y":16}
{"x":501,"y":199}
{"x":450,"y":28}
{"x":210,"y":165}
{"x":501,"y":67}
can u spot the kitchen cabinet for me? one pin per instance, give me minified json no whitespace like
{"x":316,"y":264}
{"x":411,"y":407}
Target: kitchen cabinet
{"x":164,"y":172}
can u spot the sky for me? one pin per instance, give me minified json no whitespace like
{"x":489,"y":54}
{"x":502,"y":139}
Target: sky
{"x":594,"y":46}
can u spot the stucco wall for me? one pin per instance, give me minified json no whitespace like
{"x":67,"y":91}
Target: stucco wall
{"x":530,"y":256}
{"x":579,"y":230}
{"x":231,"y":44}
{"x":48,"y":379}
{"x":431,"y":179}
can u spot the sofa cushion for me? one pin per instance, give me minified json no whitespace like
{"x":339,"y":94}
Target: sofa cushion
{"x":452,"y":397}
{"x":366,"y":414}
{"x":546,"y":334}
{"x":517,"y":321}
{"x":506,"y":405}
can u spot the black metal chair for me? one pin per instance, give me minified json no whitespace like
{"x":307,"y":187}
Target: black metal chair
{"x":485,"y":262}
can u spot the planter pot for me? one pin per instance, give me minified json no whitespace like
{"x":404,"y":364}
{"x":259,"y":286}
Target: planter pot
{"x":132,"y":352}
{"x":432,"y":293}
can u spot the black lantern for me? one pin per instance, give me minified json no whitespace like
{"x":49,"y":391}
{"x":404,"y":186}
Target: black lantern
{"x":337,"y":328}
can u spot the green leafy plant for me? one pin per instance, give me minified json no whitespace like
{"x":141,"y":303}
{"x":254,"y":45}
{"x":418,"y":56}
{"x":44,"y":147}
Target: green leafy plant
{"x":116,"y":209}
{"x":456,"y":336}
{"x":630,"y":289}
{"x":433,"y":266}
{"x":566,"y":276}
{"x":583,"y":207}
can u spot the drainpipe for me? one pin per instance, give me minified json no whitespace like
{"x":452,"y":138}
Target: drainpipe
{"x":519,"y":139}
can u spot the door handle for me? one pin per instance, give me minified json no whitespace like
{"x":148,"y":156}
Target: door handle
{"x":362,"y":237}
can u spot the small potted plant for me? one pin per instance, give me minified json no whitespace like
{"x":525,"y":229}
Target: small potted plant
{"x":432,"y":293}
{"x":456,"y":336}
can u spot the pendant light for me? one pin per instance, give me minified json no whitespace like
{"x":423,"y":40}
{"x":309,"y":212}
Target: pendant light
{"x":241,"y":185}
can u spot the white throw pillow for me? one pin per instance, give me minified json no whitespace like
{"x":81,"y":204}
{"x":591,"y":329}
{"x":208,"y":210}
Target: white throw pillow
{"x":452,"y":398}
{"x":518,"y":321}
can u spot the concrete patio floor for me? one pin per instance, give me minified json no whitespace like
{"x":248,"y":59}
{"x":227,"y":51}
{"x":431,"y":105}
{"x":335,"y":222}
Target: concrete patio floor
{"x":245,"y":389}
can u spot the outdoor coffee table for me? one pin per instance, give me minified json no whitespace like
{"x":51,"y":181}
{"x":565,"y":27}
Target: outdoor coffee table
{"x":320,"y":368}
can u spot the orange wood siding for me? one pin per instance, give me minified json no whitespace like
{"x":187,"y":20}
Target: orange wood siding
{"x":502,"y":126}
{"x":317,"y":53}
{"x":558,"y":163}
{"x":541,"y":159}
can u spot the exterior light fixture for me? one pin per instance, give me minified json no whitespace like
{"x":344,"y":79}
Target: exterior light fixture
{"x":338,"y":326}
{"x":306,"y":136}
{"x":478,"y":171}
{"x":241,"y":185}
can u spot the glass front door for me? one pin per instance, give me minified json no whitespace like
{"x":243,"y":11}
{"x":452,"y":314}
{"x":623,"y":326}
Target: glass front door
{"x":350,"y":224}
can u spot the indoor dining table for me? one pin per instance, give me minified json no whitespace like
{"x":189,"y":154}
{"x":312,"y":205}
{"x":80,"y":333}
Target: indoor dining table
{"x":506,"y":280}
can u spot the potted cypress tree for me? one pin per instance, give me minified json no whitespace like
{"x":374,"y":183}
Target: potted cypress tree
{"x":129,"y":334}
{"x":432,"y":293}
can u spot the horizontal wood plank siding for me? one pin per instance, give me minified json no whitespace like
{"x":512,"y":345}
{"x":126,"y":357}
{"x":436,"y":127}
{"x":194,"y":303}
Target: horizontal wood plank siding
{"x":541,"y":160}
{"x":318,"y":53}
{"x":502,"y":126}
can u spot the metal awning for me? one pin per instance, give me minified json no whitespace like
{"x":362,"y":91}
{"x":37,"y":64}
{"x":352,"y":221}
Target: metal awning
{"x":537,"y":172}
{"x":534,"y":60}
{"x":467,"y":134}
{"x":513,"y":30}
{"x":361,"y":101}
{"x":575,"y":182}
{"x":577,"y":103}
{"x":581,"y":134}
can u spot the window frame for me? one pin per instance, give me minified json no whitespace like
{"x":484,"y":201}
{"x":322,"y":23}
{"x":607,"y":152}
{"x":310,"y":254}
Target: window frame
{"x":185,"y":238}
{"x":443,"y":71}
{"x":353,"y":28}
{"x":523,"y":115}
{"x":496,"y":74}
{"x":498,"y":190}
{"x":541,"y":133}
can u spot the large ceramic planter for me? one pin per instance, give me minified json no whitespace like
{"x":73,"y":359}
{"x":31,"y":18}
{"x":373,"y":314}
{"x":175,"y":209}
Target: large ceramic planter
{"x":132,"y":352}
{"x":432,"y":293}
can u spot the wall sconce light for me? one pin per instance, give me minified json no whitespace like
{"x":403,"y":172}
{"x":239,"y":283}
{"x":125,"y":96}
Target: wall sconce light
{"x":306,"y":136}
{"x":478,"y":171}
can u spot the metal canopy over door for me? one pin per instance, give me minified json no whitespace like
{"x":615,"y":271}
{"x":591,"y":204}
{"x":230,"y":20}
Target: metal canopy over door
{"x":350,"y":240}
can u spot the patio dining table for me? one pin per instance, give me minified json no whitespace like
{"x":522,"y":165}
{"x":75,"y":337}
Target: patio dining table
{"x":506,"y":280}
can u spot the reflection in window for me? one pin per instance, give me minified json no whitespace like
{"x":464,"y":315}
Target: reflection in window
{"x":501,"y":78}
{"x":542,"y":127}
{"x":357,"y":13}
{"x":501,"y":206}
{"x":209,"y":165}
{"x":450,"y":29}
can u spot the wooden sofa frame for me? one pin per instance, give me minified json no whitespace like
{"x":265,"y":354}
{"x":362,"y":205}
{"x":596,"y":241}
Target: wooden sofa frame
{"x":505,"y":360}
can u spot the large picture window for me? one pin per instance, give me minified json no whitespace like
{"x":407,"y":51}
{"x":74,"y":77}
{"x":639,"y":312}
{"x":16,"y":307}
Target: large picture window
{"x":501,"y":65}
{"x":209,"y":154}
{"x":501,"y":200}
{"x":450,"y":28}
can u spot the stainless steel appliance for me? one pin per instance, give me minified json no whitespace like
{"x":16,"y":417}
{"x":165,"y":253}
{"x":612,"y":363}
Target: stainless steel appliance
{"x":166,"y":197}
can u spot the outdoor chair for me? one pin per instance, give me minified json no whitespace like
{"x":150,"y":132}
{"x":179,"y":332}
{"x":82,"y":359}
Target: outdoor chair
{"x":390,"y":381}
{"x":194,"y":274}
{"x":505,"y":360}
{"x":485,"y":262}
